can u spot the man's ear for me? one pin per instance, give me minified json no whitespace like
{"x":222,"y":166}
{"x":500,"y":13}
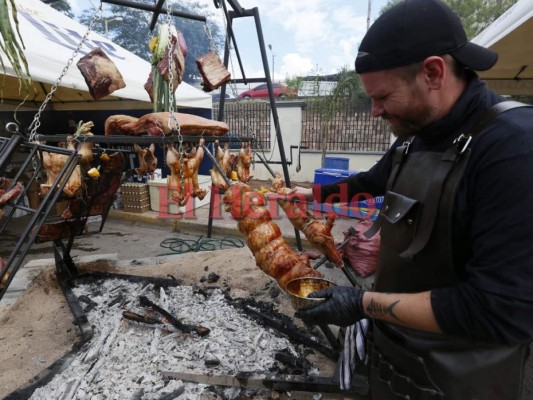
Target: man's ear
{"x":433,"y":71}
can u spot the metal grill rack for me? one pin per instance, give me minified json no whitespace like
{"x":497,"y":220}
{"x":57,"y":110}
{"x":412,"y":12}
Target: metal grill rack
{"x":20,"y":160}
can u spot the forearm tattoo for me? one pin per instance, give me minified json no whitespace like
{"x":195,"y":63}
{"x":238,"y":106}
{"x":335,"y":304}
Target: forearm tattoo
{"x":379,"y":311}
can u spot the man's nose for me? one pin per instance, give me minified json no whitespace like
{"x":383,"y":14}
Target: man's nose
{"x":377,"y":109}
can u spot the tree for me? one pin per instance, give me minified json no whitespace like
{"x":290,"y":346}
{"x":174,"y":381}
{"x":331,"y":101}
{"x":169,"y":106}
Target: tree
{"x":133,"y":32}
{"x":61,"y":6}
{"x":476,"y":15}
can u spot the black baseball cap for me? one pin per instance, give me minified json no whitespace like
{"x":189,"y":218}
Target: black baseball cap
{"x":413,"y":30}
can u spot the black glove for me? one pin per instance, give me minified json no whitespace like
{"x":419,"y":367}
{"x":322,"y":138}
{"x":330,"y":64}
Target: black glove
{"x":343,"y":307}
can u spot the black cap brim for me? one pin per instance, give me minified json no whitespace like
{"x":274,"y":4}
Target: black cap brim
{"x":475,"y":57}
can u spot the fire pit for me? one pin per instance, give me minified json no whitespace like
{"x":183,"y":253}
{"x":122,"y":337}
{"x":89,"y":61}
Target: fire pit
{"x":125,"y":358}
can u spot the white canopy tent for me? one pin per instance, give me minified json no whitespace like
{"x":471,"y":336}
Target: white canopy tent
{"x":50,"y":39}
{"x":511,"y":36}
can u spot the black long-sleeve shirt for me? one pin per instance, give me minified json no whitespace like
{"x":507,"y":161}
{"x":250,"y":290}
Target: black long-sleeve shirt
{"x":492,"y":223}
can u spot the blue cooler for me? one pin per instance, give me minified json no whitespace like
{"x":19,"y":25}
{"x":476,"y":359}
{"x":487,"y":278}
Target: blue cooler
{"x":359,"y":210}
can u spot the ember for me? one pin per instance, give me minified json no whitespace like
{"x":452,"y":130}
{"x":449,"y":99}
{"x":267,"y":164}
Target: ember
{"x":124,"y":359}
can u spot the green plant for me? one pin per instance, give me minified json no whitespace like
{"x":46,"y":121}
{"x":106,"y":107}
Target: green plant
{"x":9,"y":42}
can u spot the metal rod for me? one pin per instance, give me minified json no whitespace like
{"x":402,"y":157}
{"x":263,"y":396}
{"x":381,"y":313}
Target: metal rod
{"x":265,"y":163}
{"x":274,"y":109}
{"x":217,"y":165}
{"x":126,"y":139}
{"x":146,"y":7}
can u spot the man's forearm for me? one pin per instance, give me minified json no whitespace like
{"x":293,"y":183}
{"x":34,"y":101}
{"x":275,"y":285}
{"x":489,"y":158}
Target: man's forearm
{"x":411,"y":310}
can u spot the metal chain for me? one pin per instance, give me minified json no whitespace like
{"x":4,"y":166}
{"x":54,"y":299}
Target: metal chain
{"x":207,"y":31}
{"x":173,"y":124}
{"x":36,"y":123}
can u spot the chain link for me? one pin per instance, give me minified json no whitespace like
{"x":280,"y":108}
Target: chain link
{"x":36,"y":123}
{"x":173,"y":124}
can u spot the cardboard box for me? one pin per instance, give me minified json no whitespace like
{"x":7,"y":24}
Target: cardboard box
{"x":159,"y":196}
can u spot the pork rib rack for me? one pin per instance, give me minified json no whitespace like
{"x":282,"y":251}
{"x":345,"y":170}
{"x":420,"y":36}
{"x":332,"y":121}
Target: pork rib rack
{"x":272,"y":253}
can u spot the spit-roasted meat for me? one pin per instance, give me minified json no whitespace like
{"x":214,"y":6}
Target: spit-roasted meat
{"x":316,"y":232}
{"x":147,"y":159}
{"x":244,"y":161}
{"x":225,"y":160}
{"x":213,"y":71}
{"x":8,"y":191}
{"x":53,"y":163}
{"x":157,"y":124}
{"x":85,"y":149}
{"x":100,"y":73}
{"x":272,"y":253}
{"x":181,"y":191}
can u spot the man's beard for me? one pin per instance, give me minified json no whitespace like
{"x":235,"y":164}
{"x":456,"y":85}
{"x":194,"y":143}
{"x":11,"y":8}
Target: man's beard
{"x":410,"y":125}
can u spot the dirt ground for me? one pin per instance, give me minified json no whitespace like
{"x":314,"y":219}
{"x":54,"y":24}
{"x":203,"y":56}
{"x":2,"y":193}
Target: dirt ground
{"x":38,"y":329}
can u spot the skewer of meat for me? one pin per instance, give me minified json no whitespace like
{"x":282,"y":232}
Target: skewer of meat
{"x":272,"y":253}
{"x":316,"y":232}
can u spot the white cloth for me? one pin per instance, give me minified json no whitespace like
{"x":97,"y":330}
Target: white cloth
{"x":353,"y":352}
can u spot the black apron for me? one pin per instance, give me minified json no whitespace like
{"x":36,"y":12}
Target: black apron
{"x":416,"y":255}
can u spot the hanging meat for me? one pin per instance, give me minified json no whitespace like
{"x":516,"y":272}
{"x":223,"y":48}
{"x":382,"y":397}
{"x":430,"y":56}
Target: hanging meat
{"x":147,"y":159}
{"x":157,"y":124}
{"x":181,"y":190}
{"x":100,"y":74}
{"x":53,"y":163}
{"x":272,"y":253}
{"x":114,"y":124}
{"x":225,"y":160}
{"x":244,"y":162}
{"x":214,"y":73}
{"x":316,"y":232}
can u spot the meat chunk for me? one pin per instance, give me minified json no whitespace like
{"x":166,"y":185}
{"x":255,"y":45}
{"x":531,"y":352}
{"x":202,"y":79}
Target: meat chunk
{"x":100,"y":73}
{"x":157,"y":124}
{"x":114,"y":125}
{"x":213,"y":71}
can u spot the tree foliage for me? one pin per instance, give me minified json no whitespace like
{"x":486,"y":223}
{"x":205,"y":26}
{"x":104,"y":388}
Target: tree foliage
{"x":476,"y":15}
{"x":133,"y":31}
{"x":60,"y":5}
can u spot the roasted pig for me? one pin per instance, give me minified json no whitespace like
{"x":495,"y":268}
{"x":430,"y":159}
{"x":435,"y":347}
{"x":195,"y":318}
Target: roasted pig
{"x":147,"y":159}
{"x":244,"y":162}
{"x":53,"y":163}
{"x":225,"y":160}
{"x":272,"y":253}
{"x":316,"y":232}
{"x":181,"y":190}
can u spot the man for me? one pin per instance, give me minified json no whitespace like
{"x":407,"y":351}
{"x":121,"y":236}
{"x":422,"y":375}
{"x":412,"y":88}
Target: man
{"x":452,"y":302}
